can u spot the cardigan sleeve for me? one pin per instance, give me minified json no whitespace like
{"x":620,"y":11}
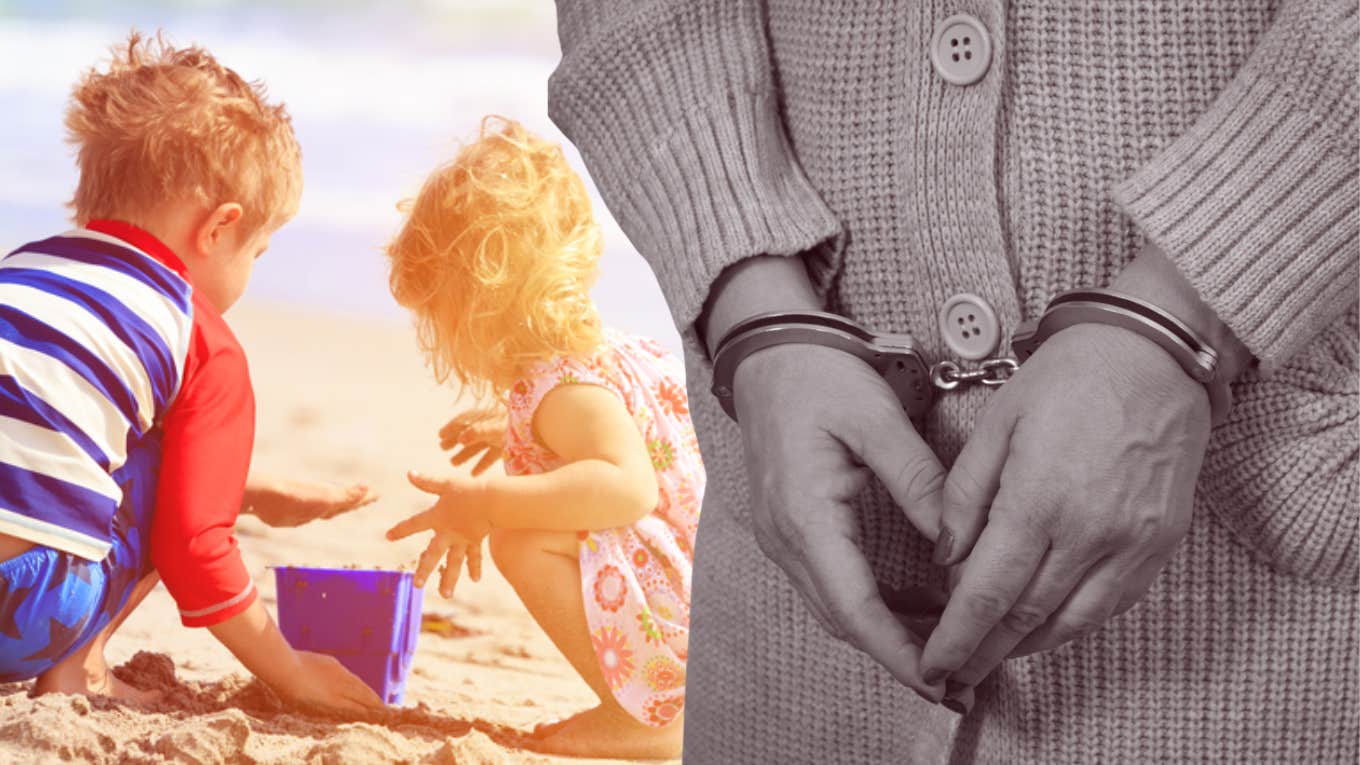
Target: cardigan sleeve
{"x":1256,"y":202}
{"x":674,"y":111}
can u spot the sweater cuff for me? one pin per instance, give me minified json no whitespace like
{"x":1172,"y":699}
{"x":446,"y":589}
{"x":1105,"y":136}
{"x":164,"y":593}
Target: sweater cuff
{"x":722,"y":186}
{"x":1256,"y":205}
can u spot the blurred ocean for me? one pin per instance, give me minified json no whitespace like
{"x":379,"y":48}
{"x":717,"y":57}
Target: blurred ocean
{"x":380,"y":93}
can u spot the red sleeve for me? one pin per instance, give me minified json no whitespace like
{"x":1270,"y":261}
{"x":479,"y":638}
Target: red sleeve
{"x":209,"y":433}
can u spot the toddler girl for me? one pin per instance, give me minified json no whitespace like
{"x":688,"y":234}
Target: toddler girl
{"x":594,"y":522}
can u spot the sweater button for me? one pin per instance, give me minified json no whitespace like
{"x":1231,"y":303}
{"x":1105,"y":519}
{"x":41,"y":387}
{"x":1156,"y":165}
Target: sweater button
{"x":961,"y":49}
{"x":969,"y":326}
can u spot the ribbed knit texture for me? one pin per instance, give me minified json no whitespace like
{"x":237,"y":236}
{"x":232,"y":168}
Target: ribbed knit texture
{"x":1226,"y":130}
{"x":715,"y":142}
{"x":1257,"y":202}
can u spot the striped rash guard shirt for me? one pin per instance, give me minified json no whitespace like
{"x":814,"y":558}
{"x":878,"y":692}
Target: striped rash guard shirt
{"x":106,"y":348}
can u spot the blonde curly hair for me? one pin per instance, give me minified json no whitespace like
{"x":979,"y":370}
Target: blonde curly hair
{"x":496,"y":259}
{"x":166,"y":124}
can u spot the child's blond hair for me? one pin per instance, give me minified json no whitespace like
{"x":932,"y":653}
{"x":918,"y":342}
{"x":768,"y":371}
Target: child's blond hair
{"x":496,"y":260}
{"x":173,"y":125}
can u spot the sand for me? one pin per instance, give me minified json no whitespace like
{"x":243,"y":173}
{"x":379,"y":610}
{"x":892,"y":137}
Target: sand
{"x":339,"y":399}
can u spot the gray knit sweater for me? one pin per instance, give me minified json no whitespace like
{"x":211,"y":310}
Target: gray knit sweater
{"x":1226,"y":130}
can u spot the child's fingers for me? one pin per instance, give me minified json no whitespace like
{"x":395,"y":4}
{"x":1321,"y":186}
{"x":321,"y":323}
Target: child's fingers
{"x":343,"y":689}
{"x":467,"y":427}
{"x":474,"y":561}
{"x":453,"y":566}
{"x":413,"y":525}
{"x":451,"y":429}
{"x":431,"y":485}
{"x":356,"y":497}
{"x":430,"y":559}
{"x":360,"y":495}
{"x":490,"y":432}
{"x":488,"y":459}
{"x":466,"y":453}
{"x":361,"y":695}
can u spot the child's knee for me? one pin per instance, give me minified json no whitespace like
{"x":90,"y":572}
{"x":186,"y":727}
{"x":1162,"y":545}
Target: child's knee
{"x":508,"y":547}
{"x":513,"y":549}
{"x":505,"y":545}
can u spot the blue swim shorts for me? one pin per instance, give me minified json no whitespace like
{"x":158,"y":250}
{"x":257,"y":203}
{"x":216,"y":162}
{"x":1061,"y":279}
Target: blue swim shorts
{"x":52,"y":602}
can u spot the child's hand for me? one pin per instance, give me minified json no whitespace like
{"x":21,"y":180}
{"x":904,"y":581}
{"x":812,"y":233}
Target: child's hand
{"x":321,"y":681}
{"x":283,"y":502}
{"x":472,"y":432}
{"x":458,"y":530}
{"x":301,"y":677}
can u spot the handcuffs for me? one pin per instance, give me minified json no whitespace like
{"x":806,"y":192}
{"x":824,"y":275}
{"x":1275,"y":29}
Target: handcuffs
{"x":898,"y":359}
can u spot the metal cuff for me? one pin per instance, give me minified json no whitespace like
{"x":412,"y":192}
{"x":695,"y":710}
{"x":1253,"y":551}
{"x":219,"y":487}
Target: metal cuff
{"x":1101,"y":306}
{"x":894,"y":356}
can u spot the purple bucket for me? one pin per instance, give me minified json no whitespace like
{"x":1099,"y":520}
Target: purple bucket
{"x":369,"y":620}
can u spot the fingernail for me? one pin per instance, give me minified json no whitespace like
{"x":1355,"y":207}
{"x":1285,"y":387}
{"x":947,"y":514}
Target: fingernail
{"x":955,"y":690}
{"x":955,"y":706}
{"x":934,"y":676}
{"x":943,"y":546}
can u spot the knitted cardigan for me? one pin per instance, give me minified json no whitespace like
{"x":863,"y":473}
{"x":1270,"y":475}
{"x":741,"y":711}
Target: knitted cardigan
{"x":1225,"y":130}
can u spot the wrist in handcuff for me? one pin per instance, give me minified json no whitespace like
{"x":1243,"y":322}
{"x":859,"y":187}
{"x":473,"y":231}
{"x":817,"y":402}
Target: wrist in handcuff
{"x":894,"y":356}
{"x":898,"y":358}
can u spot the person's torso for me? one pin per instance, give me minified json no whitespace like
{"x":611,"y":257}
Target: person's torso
{"x":1001,"y":189}
{"x":651,"y":383}
{"x":94,"y":338}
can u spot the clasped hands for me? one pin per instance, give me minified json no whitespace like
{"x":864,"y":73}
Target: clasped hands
{"x":1072,"y":491}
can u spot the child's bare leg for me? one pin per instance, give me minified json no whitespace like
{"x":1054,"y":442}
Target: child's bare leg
{"x":85,"y":671}
{"x":542,"y":567}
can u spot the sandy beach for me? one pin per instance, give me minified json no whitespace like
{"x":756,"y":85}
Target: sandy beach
{"x":340,"y":399}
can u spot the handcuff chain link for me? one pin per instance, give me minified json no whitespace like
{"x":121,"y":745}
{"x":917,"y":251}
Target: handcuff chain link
{"x":993,"y":372}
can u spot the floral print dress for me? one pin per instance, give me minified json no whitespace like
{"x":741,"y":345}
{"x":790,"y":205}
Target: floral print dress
{"x":635,"y":578}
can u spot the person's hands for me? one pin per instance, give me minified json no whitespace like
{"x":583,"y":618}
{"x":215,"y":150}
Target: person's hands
{"x":458,"y":530}
{"x":307,"y":679}
{"x":473,"y":432}
{"x":1073,"y":490}
{"x":284,"y":502}
{"x":322,"y":682}
{"x":812,"y":419}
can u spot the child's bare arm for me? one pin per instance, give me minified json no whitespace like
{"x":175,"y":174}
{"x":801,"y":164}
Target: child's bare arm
{"x":285,"y":502}
{"x":607,"y":481}
{"x":303,"y":677}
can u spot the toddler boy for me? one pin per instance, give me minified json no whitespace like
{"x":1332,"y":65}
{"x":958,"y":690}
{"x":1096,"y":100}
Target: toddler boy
{"x":126,"y":409}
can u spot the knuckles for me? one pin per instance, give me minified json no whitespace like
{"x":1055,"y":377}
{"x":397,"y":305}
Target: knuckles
{"x":1072,"y":626}
{"x":1023,"y":619}
{"x":962,"y":489}
{"x":920,"y":473}
{"x":986,"y":606}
